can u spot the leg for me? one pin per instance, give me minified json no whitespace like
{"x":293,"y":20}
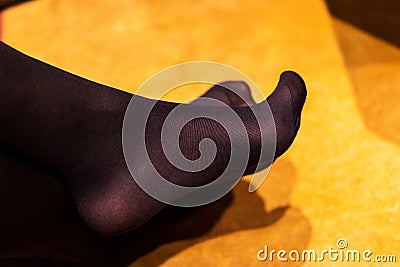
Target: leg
{"x":42,"y":222}
{"x":83,"y":120}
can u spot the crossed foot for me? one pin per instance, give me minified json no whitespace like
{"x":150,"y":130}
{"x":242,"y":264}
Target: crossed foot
{"x":73,"y":127}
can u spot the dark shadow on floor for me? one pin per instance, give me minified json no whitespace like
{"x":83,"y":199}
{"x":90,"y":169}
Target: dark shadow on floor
{"x":9,"y":3}
{"x":276,"y":222}
{"x":372,"y":65}
{"x":378,"y":17}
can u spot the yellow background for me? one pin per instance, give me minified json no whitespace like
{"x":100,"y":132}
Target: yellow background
{"x":340,"y":179}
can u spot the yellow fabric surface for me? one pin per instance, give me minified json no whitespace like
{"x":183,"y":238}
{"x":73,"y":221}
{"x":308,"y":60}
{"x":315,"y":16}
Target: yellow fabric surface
{"x":340,"y":179}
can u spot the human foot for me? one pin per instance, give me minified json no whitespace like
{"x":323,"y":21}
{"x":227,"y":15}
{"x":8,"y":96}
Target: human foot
{"x":73,"y":126}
